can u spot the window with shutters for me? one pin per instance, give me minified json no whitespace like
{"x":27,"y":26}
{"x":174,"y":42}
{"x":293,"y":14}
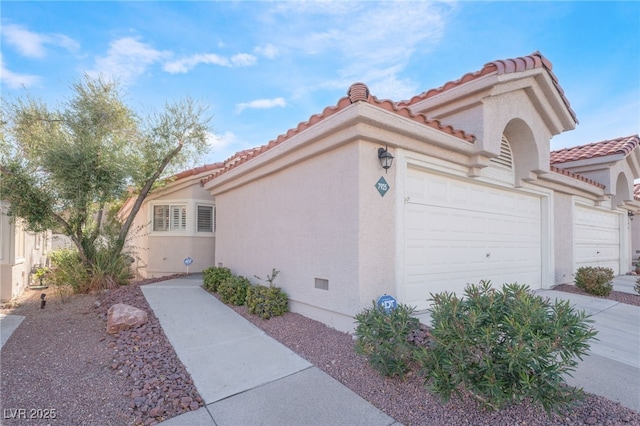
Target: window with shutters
{"x":204,"y":219}
{"x":169,"y":218}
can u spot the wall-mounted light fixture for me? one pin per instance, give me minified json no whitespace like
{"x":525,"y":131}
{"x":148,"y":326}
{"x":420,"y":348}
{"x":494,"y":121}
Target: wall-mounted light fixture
{"x":385,"y":157}
{"x":630,"y":214}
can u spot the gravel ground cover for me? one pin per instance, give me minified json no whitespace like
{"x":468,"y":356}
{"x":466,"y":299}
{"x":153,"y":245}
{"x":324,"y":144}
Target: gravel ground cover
{"x":62,"y":358}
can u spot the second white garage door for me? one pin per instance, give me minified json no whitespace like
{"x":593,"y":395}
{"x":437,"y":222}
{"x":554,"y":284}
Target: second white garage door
{"x":597,"y":238}
{"x":459,"y":232}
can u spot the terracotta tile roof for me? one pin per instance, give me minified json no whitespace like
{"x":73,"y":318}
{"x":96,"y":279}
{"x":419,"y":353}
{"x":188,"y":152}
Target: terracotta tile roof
{"x":576,"y":176}
{"x":356,"y":93}
{"x":197,"y":171}
{"x":503,"y":66}
{"x":636,"y":191}
{"x":622,"y":145}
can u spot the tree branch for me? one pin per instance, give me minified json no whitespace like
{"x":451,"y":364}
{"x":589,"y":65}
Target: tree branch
{"x":143,"y":194}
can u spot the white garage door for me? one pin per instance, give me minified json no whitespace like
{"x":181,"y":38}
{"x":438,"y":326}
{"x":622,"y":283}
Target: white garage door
{"x":458,"y":232}
{"x":597,"y":238}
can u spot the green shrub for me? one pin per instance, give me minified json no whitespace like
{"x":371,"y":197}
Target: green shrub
{"x":68,"y":270}
{"x":595,"y":280}
{"x":637,"y":286}
{"x":266,"y":302}
{"x":212,"y":277}
{"x":382,"y":337}
{"x":233,"y":290}
{"x":504,"y":346}
{"x":109,"y":272}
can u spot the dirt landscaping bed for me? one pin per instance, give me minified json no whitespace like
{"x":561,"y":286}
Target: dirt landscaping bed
{"x":62,"y":358}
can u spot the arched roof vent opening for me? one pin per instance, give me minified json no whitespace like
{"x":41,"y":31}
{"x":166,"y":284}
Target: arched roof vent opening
{"x":505,"y":159}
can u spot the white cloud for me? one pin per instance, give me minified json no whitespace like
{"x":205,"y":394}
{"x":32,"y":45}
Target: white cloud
{"x":184,"y":65}
{"x":220,"y":142}
{"x":243,"y":60}
{"x":14,"y":80}
{"x":32,"y":44}
{"x":372,"y":42}
{"x":261,"y":104}
{"x":269,"y":51}
{"x":126,"y":59}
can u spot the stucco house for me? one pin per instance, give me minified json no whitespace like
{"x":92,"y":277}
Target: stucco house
{"x":473,"y":193}
{"x":176,"y":222}
{"x":635,"y":226}
{"x":20,"y":251}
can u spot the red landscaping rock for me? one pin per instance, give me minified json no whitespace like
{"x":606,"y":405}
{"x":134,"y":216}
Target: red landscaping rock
{"x":124,"y":317}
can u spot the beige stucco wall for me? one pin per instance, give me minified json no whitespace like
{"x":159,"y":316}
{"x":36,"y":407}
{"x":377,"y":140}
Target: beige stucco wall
{"x":162,"y":253}
{"x":635,"y":237}
{"x":563,"y":238}
{"x":323,"y":218}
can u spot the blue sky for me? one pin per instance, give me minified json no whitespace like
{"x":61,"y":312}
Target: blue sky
{"x":263,"y":67}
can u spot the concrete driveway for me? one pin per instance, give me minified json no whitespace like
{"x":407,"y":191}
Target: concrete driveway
{"x":612,"y":369}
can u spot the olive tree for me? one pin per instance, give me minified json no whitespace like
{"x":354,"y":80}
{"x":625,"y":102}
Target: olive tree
{"x":62,"y":167}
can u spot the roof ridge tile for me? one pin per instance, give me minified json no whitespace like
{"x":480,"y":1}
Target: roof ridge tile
{"x":357,"y":92}
{"x":622,"y":145}
{"x":500,"y":66}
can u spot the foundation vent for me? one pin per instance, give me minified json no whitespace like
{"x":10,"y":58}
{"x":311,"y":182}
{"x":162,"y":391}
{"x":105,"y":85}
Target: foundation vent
{"x":322,"y":284}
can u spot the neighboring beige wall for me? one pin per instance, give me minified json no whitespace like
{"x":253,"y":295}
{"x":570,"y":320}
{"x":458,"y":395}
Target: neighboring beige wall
{"x":19,"y":252}
{"x":167,"y":254}
{"x":635,"y":237}
{"x":563,"y":238}
{"x":162,"y":253}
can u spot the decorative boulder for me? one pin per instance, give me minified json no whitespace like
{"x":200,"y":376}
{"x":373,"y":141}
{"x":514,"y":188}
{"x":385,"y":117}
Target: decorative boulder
{"x":123,"y":317}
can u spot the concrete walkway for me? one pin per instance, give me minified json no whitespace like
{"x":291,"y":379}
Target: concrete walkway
{"x":8,"y":323}
{"x":612,"y":368}
{"x":244,"y":376}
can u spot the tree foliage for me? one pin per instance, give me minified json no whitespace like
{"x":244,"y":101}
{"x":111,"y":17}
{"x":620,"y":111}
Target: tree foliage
{"x":62,"y":167}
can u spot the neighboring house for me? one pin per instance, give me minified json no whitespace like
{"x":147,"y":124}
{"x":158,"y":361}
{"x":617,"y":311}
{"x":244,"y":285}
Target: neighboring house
{"x":635,"y":226}
{"x":175,"y":222}
{"x":20,"y":251}
{"x":597,"y":231}
{"x":471,"y":195}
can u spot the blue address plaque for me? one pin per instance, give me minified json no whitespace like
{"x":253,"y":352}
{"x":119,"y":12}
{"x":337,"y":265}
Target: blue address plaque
{"x":382,"y":186}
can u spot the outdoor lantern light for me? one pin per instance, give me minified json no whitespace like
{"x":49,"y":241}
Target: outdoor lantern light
{"x":630,"y":214}
{"x":385,"y":158}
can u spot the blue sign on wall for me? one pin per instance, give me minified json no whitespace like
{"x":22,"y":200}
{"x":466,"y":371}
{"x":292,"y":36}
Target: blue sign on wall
{"x":382,"y":186}
{"x":388,"y":303}
{"x":188,"y":261}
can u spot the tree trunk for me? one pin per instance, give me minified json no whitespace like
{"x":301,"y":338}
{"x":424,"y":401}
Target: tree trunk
{"x":124,"y":230}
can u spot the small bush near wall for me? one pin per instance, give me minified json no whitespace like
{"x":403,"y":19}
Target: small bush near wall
{"x":595,"y":280}
{"x":68,"y":270}
{"x":212,"y":277}
{"x":504,"y":346}
{"x":383,"y":338}
{"x":266,"y":302}
{"x":233,"y":290}
{"x":637,"y":286}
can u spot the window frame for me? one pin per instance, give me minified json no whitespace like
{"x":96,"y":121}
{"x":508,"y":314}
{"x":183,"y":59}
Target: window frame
{"x":169,"y":217}
{"x":212,"y":222}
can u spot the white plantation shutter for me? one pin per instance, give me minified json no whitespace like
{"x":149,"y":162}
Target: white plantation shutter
{"x":169,"y":218}
{"x":161,"y":218}
{"x":205,"y":219}
{"x":178,"y":218}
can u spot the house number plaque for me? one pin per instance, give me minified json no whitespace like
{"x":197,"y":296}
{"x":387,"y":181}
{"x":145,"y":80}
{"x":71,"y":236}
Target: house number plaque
{"x":382,"y":186}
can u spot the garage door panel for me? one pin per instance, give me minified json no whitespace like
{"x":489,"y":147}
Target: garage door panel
{"x":597,"y":238}
{"x":464,"y":232}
